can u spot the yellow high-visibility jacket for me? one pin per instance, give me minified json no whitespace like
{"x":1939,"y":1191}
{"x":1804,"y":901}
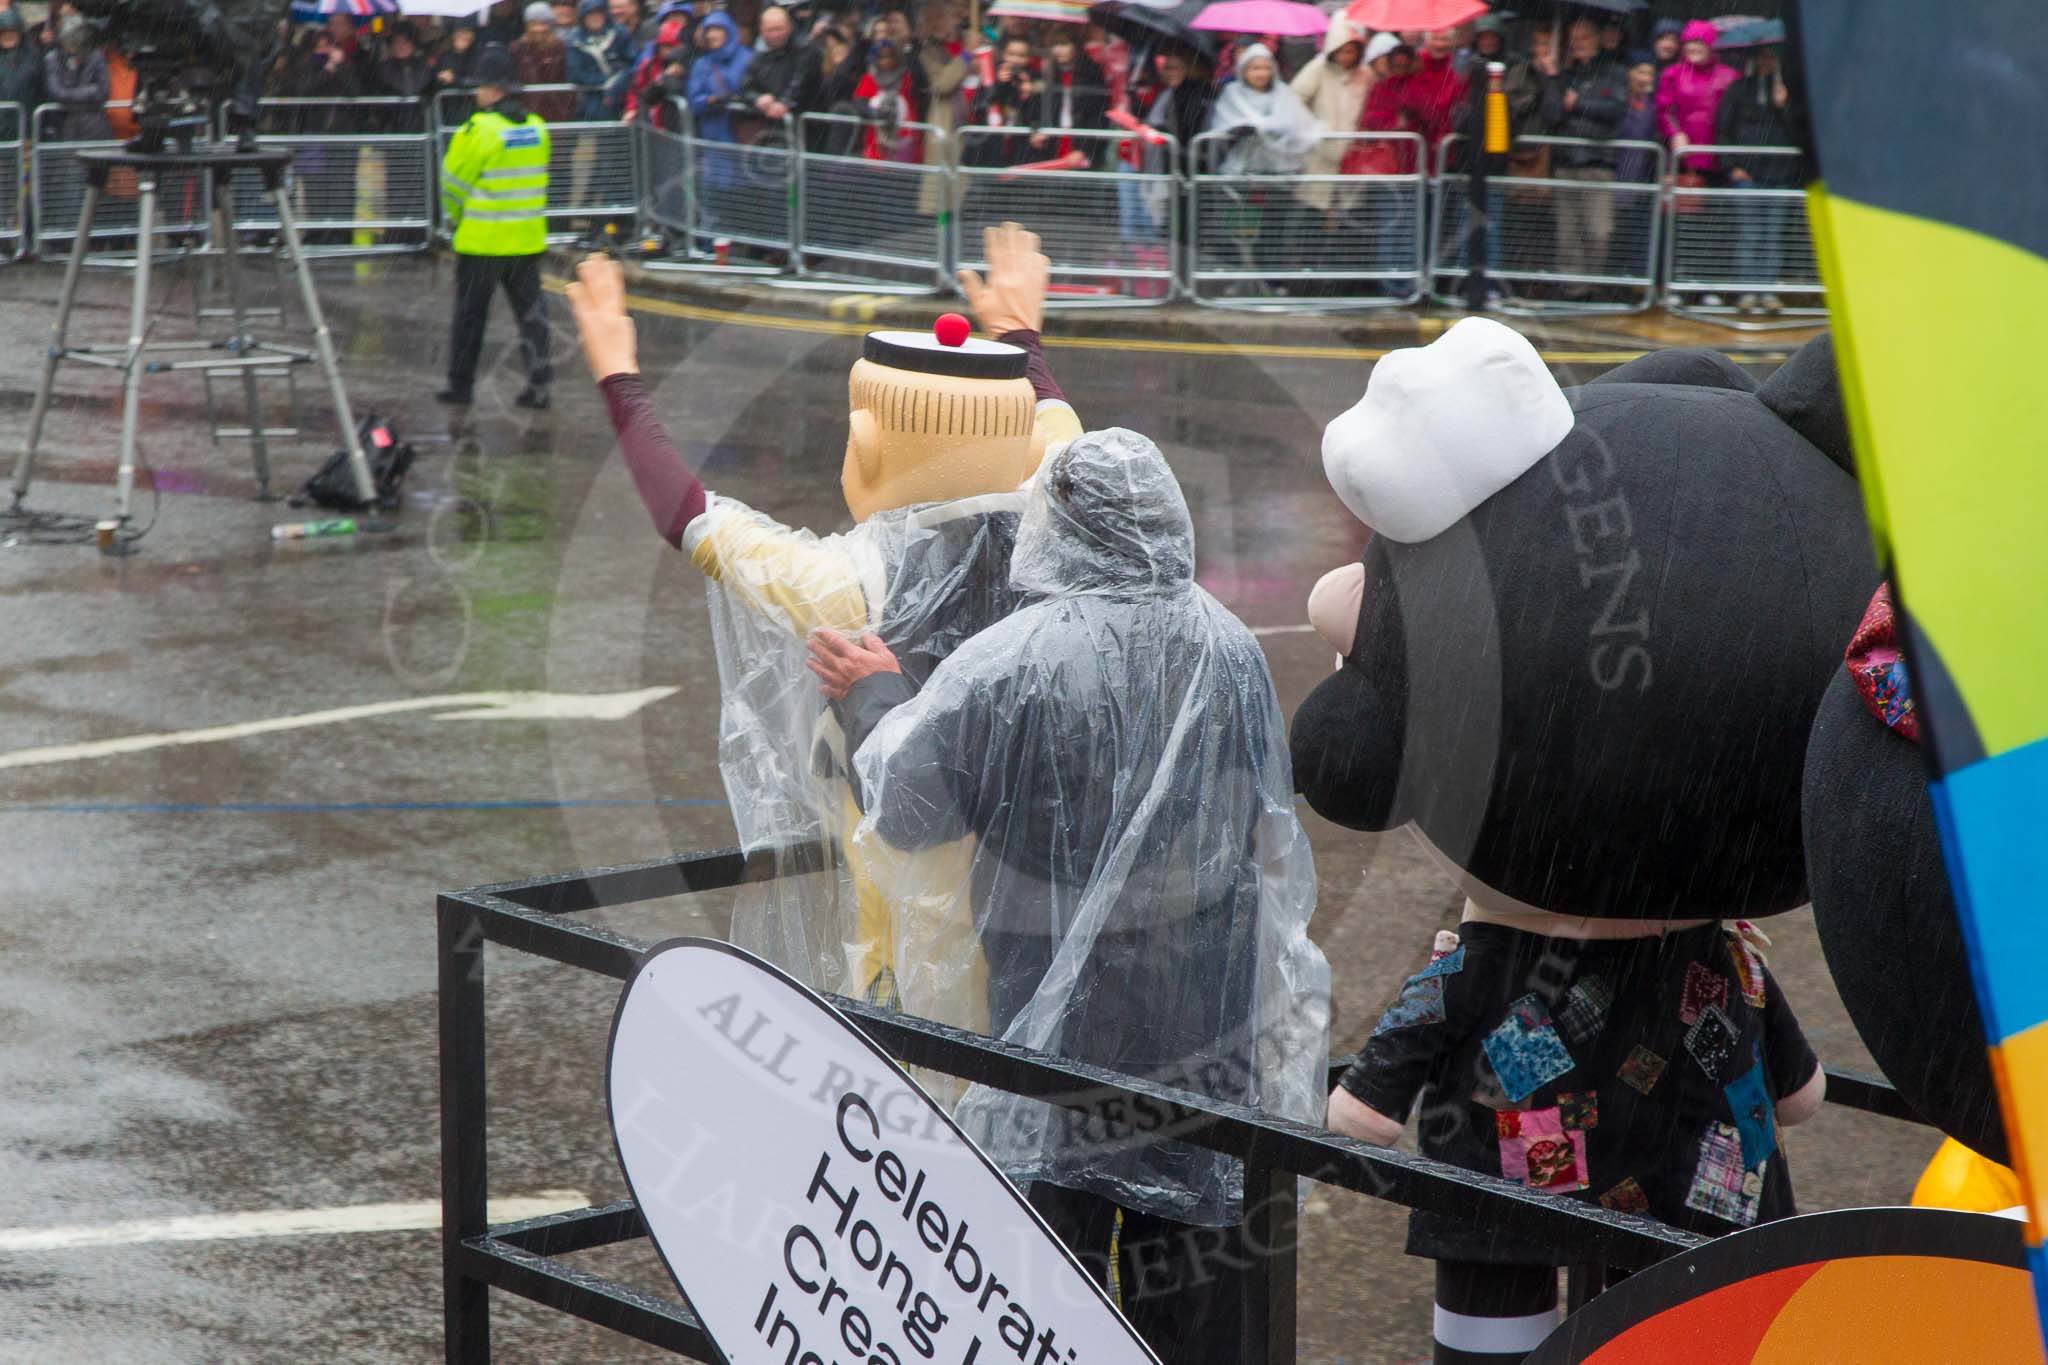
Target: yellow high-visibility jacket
{"x":494,"y":184}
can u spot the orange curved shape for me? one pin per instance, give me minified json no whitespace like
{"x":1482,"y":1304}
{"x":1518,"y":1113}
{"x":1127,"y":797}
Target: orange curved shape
{"x":1906,"y":1308}
{"x":1721,"y":1327}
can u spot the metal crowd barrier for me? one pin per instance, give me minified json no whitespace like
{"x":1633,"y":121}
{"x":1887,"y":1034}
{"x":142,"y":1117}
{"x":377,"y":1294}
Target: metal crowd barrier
{"x":1575,"y":239}
{"x":882,"y":223}
{"x":709,"y":195}
{"x":360,"y":168}
{"x":13,"y":171}
{"x":1112,"y":233}
{"x":366,"y":177}
{"x":665,"y":180}
{"x":1346,"y":240}
{"x":593,"y":167}
{"x":1728,"y":240}
{"x":57,"y":196}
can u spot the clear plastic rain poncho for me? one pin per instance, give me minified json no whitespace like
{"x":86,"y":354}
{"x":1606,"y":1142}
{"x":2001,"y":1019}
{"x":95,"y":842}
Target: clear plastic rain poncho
{"x":925,"y":579}
{"x":1139,"y":884}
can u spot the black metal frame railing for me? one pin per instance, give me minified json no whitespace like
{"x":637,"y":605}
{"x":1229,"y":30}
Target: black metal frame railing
{"x":538,"y":917}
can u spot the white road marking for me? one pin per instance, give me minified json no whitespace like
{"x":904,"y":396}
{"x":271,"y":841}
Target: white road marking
{"x":481,"y":706}
{"x":1282,"y":630}
{"x":225,"y":1227}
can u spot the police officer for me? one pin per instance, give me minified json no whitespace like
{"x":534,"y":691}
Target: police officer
{"x":494,"y":189}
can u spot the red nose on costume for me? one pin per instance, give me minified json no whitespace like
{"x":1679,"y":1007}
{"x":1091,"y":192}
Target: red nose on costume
{"x":951,"y":329}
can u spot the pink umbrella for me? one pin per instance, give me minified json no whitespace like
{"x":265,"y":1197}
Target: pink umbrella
{"x":1286,"y":18}
{"x":1381,"y":15}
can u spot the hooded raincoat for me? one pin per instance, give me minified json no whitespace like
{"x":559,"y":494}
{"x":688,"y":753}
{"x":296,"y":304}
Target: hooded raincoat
{"x":716,"y":77}
{"x":1140,"y":886}
{"x":1279,"y":132}
{"x":1336,"y":97}
{"x":925,"y":579}
{"x":1689,"y":96}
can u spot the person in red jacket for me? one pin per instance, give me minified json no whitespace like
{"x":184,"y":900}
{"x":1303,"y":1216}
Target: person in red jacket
{"x":1390,"y":61}
{"x":646,"y":95}
{"x":1432,"y":93}
{"x":888,"y":96}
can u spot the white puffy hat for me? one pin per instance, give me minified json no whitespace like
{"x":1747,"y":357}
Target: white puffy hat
{"x":1380,"y":46}
{"x":1444,"y":427}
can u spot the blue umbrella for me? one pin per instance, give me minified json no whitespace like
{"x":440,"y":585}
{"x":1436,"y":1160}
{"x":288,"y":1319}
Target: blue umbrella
{"x":1750,"y":33}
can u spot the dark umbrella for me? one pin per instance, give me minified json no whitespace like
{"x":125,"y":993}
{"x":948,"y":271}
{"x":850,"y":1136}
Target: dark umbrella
{"x":1621,"y":8}
{"x":1151,"y":30}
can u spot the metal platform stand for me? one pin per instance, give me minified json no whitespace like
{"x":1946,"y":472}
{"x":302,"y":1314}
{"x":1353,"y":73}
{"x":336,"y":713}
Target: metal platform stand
{"x":245,"y":356}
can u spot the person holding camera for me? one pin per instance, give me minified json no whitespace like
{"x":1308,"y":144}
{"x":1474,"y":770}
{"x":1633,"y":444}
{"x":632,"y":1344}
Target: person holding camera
{"x":1005,"y":102}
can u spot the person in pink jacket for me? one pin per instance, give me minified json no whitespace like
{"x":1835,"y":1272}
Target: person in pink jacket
{"x":1689,"y":93}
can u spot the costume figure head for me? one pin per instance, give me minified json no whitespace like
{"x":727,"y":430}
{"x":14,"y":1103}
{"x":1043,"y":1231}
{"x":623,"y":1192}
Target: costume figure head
{"x":934,"y":418}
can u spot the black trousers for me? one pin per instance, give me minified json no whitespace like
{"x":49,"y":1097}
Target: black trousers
{"x":1182,"y":1287}
{"x":475,"y":278}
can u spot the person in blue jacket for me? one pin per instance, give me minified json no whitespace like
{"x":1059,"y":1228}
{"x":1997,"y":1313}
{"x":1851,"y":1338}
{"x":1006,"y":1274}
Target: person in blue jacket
{"x":715,"y":76}
{"x":600,"y":61}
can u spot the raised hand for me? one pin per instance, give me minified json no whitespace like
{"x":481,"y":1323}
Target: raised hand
{"x":1012,"y":298}
{"x":598,"y":302}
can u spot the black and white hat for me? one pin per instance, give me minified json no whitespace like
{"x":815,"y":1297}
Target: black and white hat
{"x":947,"y":349}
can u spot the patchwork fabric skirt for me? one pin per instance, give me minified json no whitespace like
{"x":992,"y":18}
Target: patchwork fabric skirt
{"x":1640,"y":1074}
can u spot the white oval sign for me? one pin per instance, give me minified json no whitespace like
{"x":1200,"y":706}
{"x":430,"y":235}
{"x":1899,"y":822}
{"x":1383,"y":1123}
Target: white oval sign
{"x":813,"y":1204}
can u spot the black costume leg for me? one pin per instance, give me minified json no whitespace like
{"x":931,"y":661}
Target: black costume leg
{"x":475,"y":277}
{"x":522,"y":287}
{"x":1492,"y":1314}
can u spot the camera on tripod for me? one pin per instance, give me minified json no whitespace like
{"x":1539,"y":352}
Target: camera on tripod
{"x":190,"y":57}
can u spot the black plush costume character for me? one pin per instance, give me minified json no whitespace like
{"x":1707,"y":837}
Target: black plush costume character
{"x":1595,"y":624}
{"x":1881,"y":896}
{"x":1584,"y":649}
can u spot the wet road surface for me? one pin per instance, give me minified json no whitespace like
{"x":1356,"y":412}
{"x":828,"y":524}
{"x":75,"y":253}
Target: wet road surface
{"x":217,"y":957}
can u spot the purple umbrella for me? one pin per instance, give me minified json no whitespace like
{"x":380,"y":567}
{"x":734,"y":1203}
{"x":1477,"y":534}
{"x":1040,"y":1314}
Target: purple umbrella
{"x":1286,"y":18}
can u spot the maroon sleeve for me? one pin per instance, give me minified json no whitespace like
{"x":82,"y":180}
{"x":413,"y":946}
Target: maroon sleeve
{"x":1035,"y":368}
{"x":666,"y":482}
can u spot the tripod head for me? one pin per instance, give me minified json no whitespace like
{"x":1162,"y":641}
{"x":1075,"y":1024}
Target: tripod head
{"x":190,"y":56}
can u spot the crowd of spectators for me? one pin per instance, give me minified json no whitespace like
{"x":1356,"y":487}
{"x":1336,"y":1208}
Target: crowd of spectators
{"x":1024,"y":93}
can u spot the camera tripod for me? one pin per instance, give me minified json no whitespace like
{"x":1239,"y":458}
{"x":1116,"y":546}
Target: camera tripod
{"x":245,"y":354}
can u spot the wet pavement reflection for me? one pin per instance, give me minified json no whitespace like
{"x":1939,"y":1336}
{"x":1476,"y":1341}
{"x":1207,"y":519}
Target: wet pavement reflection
{"x":216,"y":965}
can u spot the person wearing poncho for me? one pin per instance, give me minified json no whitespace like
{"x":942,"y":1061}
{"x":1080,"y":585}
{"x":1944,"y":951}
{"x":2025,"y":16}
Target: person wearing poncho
{"x":1277,"y":130}
{"x":940,"y":435}
{"x":1141,"y":886}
